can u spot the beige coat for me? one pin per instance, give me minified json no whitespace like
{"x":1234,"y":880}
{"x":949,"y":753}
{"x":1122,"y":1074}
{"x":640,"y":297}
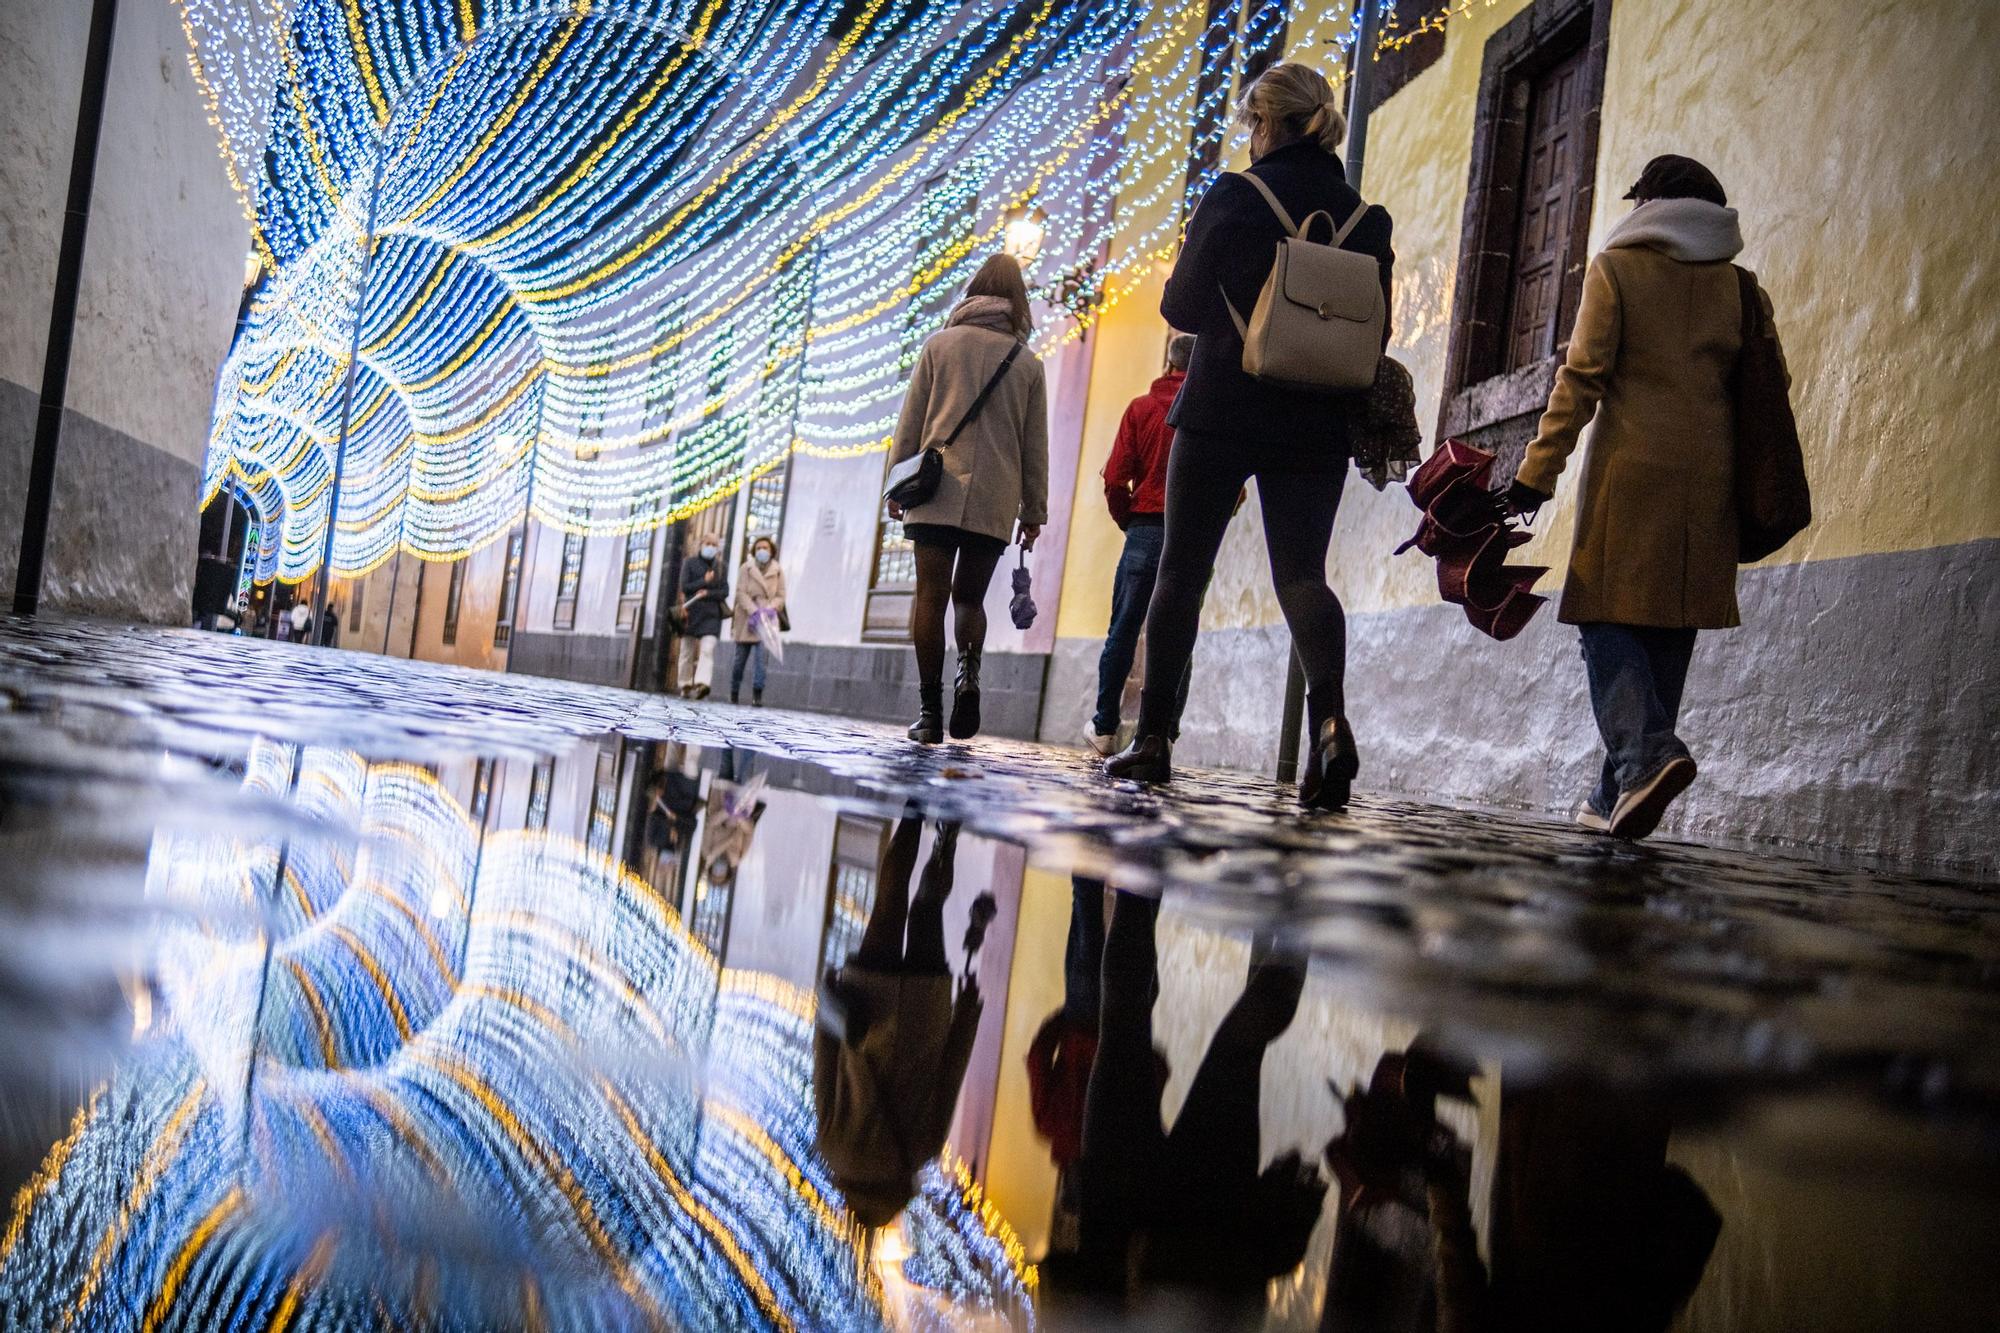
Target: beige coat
{"x":756,"y":588}
{"x":997,"y":472}
{"x":1655,"y":343}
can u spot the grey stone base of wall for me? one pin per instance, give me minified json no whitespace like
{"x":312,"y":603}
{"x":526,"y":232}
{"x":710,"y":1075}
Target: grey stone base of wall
{"x":124,"y":529}
{"x":588,"y":659}
{"x":1855,"y":710}
{"x":881,"y":683}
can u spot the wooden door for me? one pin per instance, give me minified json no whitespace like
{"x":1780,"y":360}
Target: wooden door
{"x":1549,"y":183}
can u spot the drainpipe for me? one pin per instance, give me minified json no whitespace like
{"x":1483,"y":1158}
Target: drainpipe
{"x":62,"y":310}
{"x":1360,"y":90}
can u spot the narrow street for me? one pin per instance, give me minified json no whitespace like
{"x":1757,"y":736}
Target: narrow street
{"x":1763,"y":1010}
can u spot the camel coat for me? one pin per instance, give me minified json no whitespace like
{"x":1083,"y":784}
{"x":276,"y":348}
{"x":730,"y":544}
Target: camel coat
{"x":756,"y":589}
{"x":997,"y":471}
{"x":1651,"y":358}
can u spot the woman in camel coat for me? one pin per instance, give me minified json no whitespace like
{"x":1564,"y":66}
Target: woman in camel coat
{"x":995,"y":487}
{"x":760,"y":586}
{"x":1654,"y":560}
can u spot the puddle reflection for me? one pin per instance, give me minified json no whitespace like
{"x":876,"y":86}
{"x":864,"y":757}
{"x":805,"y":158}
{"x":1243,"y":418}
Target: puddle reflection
{"x":648,"y":1035}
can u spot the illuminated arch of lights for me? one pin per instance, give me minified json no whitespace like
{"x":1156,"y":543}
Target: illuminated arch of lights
{"x":486,"y":1054}
{"x":605,"y":261}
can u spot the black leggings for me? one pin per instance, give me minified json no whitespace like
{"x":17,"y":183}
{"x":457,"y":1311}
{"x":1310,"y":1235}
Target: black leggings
{"x":1205,"y":474}
{"x":959,"y":575}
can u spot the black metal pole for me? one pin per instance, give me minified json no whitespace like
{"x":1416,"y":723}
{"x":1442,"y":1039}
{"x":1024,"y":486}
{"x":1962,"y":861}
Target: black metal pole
{"x":324,"y":584}
{"x":1360,"y":90}
{"x":62,"y":310}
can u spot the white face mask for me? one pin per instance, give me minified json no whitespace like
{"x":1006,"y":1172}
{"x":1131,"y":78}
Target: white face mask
{"x":762,"y":557}
{"x":708,"y":553}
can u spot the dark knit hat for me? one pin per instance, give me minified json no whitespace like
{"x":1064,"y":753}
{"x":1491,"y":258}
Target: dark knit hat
{"x":1671,"y":176}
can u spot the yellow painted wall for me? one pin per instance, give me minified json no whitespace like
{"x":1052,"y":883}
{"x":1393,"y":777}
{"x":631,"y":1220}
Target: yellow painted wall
{"x":1020,"y":1177}
{"x":1857,"y":140}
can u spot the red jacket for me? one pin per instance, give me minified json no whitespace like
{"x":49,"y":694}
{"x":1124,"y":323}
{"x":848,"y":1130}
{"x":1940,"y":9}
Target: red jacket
{"x":1135,"y":477}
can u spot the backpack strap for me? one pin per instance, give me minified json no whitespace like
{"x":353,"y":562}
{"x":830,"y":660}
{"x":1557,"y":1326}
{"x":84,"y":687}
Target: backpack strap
{"x":1292,"y":229}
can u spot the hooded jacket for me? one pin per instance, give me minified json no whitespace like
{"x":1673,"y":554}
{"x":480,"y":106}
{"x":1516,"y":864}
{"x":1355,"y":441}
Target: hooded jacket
{"x":996,"y":472}
{"x":1135,"y":476}
{"x":1651,"y":360}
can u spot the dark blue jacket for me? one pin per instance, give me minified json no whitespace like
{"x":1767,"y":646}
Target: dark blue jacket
{"x":1230,"y":244}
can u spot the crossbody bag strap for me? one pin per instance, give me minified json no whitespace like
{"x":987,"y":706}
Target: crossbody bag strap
{"x":984,"y":394}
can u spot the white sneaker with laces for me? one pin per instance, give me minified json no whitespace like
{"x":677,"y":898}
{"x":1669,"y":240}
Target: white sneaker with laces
{"x":1104,"y":745}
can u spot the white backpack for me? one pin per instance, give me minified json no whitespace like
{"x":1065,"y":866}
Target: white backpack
{"x":1318,"y":322}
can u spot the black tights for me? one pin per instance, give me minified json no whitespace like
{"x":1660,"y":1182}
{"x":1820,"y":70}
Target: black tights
{"x":1205,"y":474}
{"x":959,"y":576}
{"x":895,"y":914}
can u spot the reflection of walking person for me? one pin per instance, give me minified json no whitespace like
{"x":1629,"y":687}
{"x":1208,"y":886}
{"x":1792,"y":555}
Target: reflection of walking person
{"x":1188,"y":1206}
{"x":893,"y":1039}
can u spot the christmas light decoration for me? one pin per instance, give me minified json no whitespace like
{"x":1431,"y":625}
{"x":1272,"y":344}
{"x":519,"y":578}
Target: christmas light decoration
{"x":411,"y":1071}
{"x":628,"y":255}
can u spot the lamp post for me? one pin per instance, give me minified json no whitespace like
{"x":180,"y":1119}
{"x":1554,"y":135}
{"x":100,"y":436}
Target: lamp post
{"x":62,"y":309}
{"x":1360,"y":91}
{"x":325,"y":582}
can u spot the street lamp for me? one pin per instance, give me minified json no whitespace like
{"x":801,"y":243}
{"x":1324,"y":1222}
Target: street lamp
{"x":1025,"y":229}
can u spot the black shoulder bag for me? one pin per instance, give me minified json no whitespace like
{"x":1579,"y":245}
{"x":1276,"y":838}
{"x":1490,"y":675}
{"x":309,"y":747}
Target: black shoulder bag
{"x":915,"y":480}
{"x":1773,"y":499}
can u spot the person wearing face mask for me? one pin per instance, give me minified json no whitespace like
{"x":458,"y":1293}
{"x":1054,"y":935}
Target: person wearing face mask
{"x":704,"y":599}
{"x":760,"y":592}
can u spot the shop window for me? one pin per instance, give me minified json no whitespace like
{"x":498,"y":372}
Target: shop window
{"x":1524,"y":239}
{"x":454,"y":594}
{"x":947,"y":211}
{"x":541,"y":786}
{"x":638,"y":568}
{"x":510,"y":588}
{"x":569,"y":580}
{"x":850,"y":886}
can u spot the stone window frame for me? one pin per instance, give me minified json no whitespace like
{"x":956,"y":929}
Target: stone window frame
{"x":1543,"y":33}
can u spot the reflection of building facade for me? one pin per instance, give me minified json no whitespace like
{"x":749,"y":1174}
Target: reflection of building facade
{"x":488,"y":1046}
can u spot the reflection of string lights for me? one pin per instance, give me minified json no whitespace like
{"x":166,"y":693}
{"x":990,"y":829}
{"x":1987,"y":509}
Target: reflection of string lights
{"x":463,"y":1036}
{"x":601,"y":216}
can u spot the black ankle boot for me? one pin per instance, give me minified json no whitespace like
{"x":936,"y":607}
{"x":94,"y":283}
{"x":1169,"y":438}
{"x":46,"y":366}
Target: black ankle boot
{"x":1146,"y":759}
{"x":965,"y":697}
{"x":928,"y":729}
{"x":756,"y":698}
{"x":1330,"y":768}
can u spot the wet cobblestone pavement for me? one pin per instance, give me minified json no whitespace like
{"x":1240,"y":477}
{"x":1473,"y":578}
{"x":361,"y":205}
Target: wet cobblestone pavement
{"x":197,"y":822}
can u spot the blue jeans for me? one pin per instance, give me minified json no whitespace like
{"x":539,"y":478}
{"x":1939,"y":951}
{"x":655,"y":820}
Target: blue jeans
{"x":1131,"y":595}
{"x":1636,"y":676}
{"x":744,"y":653}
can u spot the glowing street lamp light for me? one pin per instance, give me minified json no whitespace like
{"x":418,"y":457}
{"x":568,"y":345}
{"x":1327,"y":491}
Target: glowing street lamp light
{"x":1025,"y":230}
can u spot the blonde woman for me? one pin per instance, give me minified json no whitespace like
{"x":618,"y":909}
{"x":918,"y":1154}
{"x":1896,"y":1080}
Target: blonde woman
{"x":1230,"y":427}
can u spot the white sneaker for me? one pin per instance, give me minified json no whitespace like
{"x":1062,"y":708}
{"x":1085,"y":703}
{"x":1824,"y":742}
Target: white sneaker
{"x":1590,"y":819}
{"x":1104,"y":745}
{"x":1638,"y":811}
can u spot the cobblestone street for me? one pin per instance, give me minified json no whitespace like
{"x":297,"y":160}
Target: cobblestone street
{"x":1734,"y":960}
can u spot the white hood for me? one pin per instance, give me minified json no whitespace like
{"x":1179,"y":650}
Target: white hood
{"x":1691,"y":230}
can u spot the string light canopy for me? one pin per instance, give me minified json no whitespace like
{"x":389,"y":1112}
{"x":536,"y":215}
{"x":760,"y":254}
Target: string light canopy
{"x":623,"y":256}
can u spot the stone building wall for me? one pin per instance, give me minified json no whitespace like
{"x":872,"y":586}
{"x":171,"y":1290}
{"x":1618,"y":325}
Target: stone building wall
{"x":1855,"y":707}
{"x":163,"y":274}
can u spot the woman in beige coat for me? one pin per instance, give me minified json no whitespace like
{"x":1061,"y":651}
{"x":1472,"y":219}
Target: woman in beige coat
{"x":760,"y":587}
{"x":996,"y":479}
{"x":1655,"y":346}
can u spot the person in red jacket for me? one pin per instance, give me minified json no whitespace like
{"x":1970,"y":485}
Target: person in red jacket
{"x":1135,"y":489}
